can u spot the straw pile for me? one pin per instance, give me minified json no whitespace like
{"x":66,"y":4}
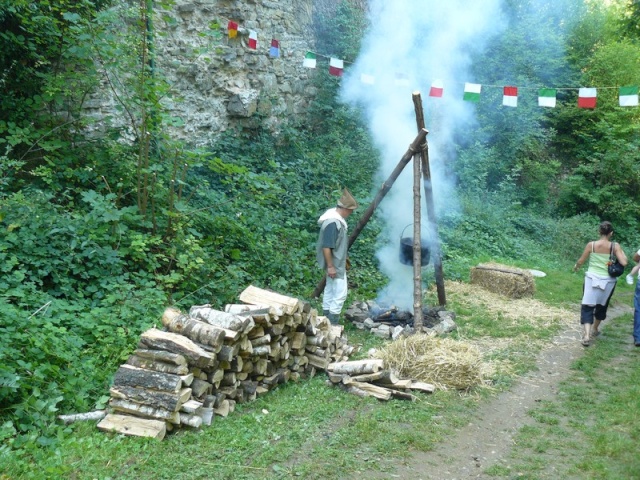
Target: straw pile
{"x":443,"y":362}
{"x":503,"y":279}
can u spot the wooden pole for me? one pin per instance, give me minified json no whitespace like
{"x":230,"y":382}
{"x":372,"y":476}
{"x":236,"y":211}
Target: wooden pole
{"x":417,"y":248}
{"x":386,"y":186}
{"x":428,"y":193}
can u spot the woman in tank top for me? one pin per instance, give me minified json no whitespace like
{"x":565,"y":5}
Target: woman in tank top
{"x":598,"y":285}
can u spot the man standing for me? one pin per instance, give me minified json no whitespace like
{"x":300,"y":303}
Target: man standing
{"x":636,"y":306}
{"x":331,"y":253}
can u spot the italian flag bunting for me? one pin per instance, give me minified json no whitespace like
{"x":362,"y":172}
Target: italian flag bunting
{"x":335,"y":67}
{"x":628,"y":96}
{"x":587,"y":98}
{"x":274,"y":50}
{"x":437,"y":89}
{"x":253,"y":40}
{"x":472,"y":92}
{"x":510,"y":97}
{"x":232,"y":28}
{"x":547,"y":97}
{"x":309,"y":60}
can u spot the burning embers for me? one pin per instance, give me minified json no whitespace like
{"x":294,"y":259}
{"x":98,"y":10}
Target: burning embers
{"x":391,"y":321}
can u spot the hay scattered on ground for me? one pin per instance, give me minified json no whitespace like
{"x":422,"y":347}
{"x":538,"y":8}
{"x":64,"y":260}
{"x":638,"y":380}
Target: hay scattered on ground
{"x":506,"y":280}
{"x":520,"y":310}
{"x":443,"y":362}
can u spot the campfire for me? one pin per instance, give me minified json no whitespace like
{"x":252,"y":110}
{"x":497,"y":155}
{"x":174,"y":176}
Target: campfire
{"x":390,"y":321}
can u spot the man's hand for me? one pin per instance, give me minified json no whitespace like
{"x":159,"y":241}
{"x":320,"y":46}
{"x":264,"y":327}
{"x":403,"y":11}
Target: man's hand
{"x":331,"y":271}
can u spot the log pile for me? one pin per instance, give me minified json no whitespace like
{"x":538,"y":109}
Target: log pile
{"x":370,"y":378}
{"x":205,"y":362}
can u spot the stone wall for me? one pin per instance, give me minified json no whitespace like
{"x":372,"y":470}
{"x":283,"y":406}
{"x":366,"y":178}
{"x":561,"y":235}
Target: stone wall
{"x":218,"y":82}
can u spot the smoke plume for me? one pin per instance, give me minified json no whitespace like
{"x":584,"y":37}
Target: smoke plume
{"x":410,"y":44}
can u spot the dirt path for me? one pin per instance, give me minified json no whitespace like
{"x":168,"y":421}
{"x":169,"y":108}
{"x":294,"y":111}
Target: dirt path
{"x":487,"y":440}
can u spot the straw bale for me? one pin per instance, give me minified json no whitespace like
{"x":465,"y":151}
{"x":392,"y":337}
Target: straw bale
{"x":503,"y":279}
{"x":443,"y":362}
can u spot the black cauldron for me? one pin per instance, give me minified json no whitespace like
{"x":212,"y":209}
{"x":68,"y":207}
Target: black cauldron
{"x":406,"y":250}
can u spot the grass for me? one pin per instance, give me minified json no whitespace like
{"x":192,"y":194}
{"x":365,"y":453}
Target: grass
{"x":314,"y":431}
{"x":591,"y":430}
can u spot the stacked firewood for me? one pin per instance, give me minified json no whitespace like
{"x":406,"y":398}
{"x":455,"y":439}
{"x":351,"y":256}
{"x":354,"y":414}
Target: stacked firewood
{"x":370,"y":378}
{"x":205,"y":362}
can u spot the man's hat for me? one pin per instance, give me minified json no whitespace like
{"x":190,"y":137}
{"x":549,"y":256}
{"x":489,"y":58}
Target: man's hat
{"x":347,"y":201}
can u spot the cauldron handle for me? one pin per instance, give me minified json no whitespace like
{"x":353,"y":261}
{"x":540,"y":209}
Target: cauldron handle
{"x":405,"y":229}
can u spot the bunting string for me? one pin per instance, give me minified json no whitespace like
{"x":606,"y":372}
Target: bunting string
{"x":547,"y":96}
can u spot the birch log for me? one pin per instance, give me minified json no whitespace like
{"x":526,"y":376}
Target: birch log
{"x":357,"y":367}
{"x":198,"y":331}
{"x":176,"y":343}
{"x":220,"y":319}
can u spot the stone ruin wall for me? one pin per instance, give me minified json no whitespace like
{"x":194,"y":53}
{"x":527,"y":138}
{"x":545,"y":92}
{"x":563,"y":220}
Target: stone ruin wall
{"x":219,"y":83}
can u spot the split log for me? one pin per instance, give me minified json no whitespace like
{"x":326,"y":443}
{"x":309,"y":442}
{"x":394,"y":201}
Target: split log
{"x":369,"y":377}
{"x":198,"y":331}
{"x":215,"y":377}
{"x":356,"y":391}
{"x":128,"y":425}
{"x":157,"y":366}
{"x":170,"y":401}
{"x":81,"y":417}
{"x":161,"y":356}
{"x":262,"y":351}
{"x":191,"y":406}
{"x":380,"y":393}
{"x":176,"y":343}
{"x":187,"y":379}
{"x":264,"y":340}
{"x":194,"y":421}
{"x":130,"y":376}
{"x":228,"y":352}
{"x":357,"y":367}
{"x":220,"y":319}
{"x":423,"y":387}
{"x":223,"y":409}
{"x":255,"y":295}
{"x":253,"y":310}
{"x":335,"y":378}
{"x":200,"y":387}
{"x":397,"y":385}
{"x":318,"y":362}
{"x":144,"y":410}
{"x":401,"y":395}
